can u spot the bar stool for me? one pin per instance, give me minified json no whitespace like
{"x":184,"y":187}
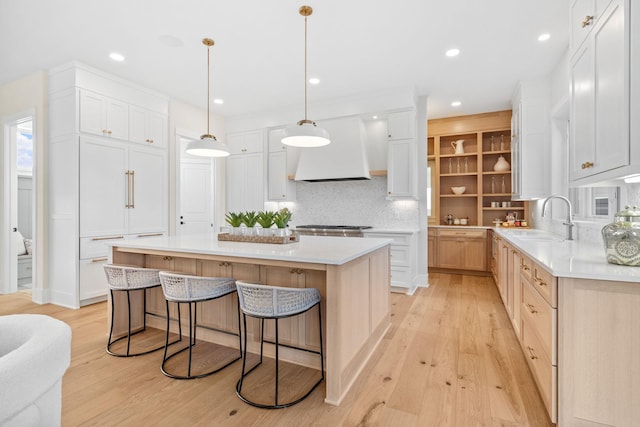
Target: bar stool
{"x":273,"y":302}
{"x":129,"y":279}
{"x":185,"y":288}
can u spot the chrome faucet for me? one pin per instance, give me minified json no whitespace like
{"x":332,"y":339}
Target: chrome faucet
{"x":568,"y":222}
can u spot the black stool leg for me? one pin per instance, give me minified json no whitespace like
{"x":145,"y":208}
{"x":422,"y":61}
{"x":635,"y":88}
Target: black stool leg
{"x":113,"y":307}
{"x":277,"y":359}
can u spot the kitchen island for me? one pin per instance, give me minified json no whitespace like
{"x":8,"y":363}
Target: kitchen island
{"x":352,"y":275}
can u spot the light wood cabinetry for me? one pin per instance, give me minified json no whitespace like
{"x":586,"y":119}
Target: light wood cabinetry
{"x":281,"y":163}
{"x":402,"y":164}
{"x":486,"y":138}
{"x":102,"y":186}
{"x":599,"y":342}
{"x":245,"y":172}
{"x":529,"y":292}
{"x":461,"y":249}
{"x":600,"y":81}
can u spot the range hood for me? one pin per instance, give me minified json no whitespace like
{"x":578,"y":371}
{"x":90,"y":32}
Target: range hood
{"x":345,"y":159}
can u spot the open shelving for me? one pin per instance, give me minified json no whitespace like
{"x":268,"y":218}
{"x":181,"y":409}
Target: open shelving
{"x":486,"y":137}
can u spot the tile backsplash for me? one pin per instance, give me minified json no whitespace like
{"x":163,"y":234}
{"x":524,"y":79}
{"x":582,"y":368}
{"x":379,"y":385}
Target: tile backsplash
{"x":351,"y":203}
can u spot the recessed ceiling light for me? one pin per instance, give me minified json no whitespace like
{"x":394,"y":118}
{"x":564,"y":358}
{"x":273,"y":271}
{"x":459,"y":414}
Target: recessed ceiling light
{"x":375,"y":117}
{"x":456,"y":103}
{"x":218,"y":101}
{"x":452,"y":52}
{"x":314,"y":80}
{"x":544,"y":37}
{"x":116,"y":56}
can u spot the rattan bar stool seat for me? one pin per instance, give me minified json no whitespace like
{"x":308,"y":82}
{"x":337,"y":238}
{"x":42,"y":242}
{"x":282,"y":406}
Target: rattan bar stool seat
{"x":188,"y":289}
{"x":129,"y":279}
{"x":274,"y":302}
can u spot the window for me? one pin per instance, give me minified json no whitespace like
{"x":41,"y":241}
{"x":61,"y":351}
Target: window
{"x":594,"y":203}
{"x":24,"y":149}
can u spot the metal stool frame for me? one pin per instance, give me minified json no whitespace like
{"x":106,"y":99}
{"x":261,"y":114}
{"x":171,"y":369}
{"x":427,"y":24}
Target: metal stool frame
{"x":193,"y":324}
{"x":245,"y":373}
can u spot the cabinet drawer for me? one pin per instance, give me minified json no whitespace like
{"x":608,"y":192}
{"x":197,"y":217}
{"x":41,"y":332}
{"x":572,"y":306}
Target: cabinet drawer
{"x":546,"y":284}
{"x":463,"y":233}
{"x":93,"y":281}
{"x":400,"y":255}
{"x":526,"y":268}
{"x":544,"y":373}
{"x":24,"y":268}
{"x":398,"y":239}
{"x":96,"y":247}
{"x":400,"y":275}
{"x":541,"y":317}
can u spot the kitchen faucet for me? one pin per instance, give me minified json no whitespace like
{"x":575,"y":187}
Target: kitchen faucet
{"x":568,"y":222}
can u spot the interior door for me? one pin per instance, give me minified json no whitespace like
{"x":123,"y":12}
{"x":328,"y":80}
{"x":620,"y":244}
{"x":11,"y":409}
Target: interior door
{"x":196,"y":198}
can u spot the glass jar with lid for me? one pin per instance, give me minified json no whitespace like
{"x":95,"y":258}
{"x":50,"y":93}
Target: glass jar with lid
{"x":622,"y":238}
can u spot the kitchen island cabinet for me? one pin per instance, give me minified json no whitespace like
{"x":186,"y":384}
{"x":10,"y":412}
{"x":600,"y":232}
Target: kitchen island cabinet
{"x":352,"y":275}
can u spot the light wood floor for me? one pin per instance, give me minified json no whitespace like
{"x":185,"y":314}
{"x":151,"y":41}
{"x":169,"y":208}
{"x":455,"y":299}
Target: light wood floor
{"x":450,"y":359}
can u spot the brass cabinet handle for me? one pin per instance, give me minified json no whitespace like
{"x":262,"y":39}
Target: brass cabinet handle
{"x":100,"y":259}
{"x":296,"y":271}
{"x":539,"y":281}
{"x":225,"y":264}
{"x":128,"y":174}
{"x":149,"y":234}
{"x":587,"y":21}
{"x":109,"y":132}
{"x":532,"y":355}
{"x":513,"y":251}
{"x":167,"y":258}
{"x":525,"y":267}
{"x":587,"y":165}
{"x":107,"y":238}
{"x":532,"y":309}
{"x":104,"y":131}
{"x":133,"y":189}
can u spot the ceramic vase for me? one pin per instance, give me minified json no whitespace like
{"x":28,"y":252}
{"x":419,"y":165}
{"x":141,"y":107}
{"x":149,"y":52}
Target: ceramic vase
{"x":501,"y":165}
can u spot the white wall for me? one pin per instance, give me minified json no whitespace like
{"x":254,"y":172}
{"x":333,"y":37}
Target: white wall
{"x":22,"y":95}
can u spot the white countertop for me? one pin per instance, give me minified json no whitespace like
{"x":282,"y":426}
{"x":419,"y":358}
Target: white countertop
{"x":568,"y":258}
{"x":375,"y":230}
{"x":312,"y":249}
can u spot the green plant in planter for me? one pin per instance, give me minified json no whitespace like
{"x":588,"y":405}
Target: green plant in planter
{"x":266,"y":219}
{"x":234,"y":219}
{"x":249,"y":218}
{"x":282,"y":218}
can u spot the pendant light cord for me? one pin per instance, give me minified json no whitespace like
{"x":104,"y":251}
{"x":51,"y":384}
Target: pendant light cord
{"x":305,"y":68}
{"x":208,"y":85}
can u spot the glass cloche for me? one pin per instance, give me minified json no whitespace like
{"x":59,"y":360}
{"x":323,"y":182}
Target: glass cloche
{"x":622,"y":237}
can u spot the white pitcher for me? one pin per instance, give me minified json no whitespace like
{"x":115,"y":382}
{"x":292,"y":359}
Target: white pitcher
{"x":458,"y":146}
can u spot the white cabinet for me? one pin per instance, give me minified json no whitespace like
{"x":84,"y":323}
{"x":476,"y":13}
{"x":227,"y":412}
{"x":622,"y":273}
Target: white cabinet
{"x":122,"y":188}
{"x":599,"y":103}
{"x":147,"y":127}
{"x":104,"y":116}
{"x":530,"y":140}
{"x":102,"y":187}
{"x":402,"y":173}
{"x":245,"y":172}
{"x":404,"y":261}
{"x":280,"y":164}
{"x":584,"y":16}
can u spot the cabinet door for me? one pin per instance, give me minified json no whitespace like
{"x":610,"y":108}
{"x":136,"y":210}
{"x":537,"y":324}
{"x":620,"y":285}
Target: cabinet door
{"x":431,"y":251}
{"x":117,"y":119}
{"x":449,"y":253}
{"x":93,"y":113}
{"x":147,"y":127}
{"x":103,"y":187}
{"x":235,"y":182}
{"x":401,"y":125}
{"x":277,"y":180}
{"x":148,"y":190}
{"x":475,"y":254}
{"x":582,"y":142}
{"x":401,"y":170}
{"x":254,"y":182}
{"x":93,"y":282}
{"x":611,"y":91}
{"x":157,"y":129}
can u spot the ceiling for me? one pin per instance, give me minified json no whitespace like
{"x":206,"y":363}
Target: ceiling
{"x":354,"y":47}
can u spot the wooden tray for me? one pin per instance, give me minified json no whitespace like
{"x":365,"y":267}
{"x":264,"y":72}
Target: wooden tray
{"x":259,"y":239}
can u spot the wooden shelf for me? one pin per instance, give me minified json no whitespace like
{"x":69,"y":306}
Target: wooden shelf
{"x":478,"y":132}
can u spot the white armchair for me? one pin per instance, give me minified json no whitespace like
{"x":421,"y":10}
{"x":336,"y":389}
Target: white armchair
{"x":35,"y":352}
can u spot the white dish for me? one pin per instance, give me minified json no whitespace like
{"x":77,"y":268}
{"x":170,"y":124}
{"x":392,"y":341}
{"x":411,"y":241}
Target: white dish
{"x":458,"y":190}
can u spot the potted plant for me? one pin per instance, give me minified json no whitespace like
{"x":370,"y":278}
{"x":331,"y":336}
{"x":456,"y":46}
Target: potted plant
{"x":281,"y":220}
{"x":235,"y":221}
{"x":265,"y":219}
{"x":249,"y":219}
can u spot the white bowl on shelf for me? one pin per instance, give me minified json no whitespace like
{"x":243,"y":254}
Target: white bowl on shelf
{"x":458,"y":190}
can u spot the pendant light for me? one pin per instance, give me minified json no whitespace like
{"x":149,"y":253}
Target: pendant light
{"x":305,"y":133}
{"x":208,"y":145}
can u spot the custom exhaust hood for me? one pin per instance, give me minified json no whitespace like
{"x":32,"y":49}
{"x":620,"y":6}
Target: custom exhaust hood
{"x":345,"y":159}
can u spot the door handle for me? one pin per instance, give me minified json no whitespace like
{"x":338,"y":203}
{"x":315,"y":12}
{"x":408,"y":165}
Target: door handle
{"x":133,"y":189}
{"x":15,"y":229}
{"x":181,"y":222}
{"x":128,"y":205}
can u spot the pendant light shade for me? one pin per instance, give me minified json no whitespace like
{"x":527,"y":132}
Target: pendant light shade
{"x":305,"y":133}
{"x":208,"y":145}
